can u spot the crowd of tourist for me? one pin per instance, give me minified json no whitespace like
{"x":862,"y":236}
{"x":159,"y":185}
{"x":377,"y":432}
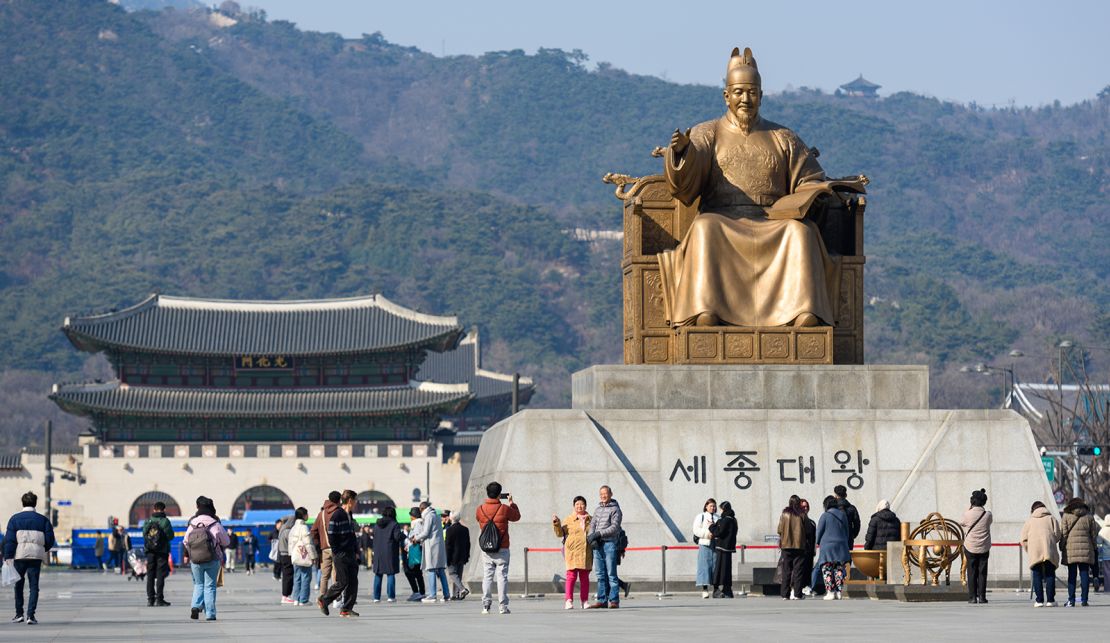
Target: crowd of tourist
{"x":432,"y":550}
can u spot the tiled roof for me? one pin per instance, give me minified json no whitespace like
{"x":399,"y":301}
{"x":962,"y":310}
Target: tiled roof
{"x":115,"y":398}
{"x":860,"y":84}
{"x":189,"y":326}
{"x":464,"y":365}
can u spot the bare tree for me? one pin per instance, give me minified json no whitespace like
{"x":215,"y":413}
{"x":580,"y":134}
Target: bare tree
{"x":1077,"y":414}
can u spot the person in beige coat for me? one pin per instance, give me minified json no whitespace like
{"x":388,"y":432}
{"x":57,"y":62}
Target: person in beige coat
{"x":1039,"y":538}
{"x":579,"y":556}
{"x":1077,"y":546}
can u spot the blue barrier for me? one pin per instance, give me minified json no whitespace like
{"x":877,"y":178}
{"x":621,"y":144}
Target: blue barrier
{"x":84,"y":542}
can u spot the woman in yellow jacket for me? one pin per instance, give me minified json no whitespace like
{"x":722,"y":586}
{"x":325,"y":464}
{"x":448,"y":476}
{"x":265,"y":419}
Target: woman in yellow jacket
{"x":579,"y":556}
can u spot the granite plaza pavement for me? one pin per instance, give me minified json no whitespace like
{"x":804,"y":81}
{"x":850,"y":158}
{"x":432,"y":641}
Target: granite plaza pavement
{"x":90,"y":606}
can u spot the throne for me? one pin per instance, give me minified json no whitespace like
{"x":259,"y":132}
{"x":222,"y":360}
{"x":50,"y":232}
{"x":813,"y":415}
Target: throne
{"x":655,"y":221}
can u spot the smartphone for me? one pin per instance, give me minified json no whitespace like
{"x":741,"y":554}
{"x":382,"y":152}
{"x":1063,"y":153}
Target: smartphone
{"x":504,"y":496}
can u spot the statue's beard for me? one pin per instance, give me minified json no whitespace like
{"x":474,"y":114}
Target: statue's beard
{"x":745,"y":118}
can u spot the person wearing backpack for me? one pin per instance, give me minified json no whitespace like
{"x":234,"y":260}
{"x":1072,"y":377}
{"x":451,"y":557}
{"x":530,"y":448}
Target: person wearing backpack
{"x":604,"y":538}
{"x":493,"y":540}
{"x":203,"y":545}
{"x":302,"y":556}
{"x":157,"y":535}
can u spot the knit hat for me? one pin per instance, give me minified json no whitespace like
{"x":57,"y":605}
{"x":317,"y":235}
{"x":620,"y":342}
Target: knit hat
{"x":883,"y":504}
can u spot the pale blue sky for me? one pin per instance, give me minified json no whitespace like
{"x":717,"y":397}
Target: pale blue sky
{"x":991,"y":52}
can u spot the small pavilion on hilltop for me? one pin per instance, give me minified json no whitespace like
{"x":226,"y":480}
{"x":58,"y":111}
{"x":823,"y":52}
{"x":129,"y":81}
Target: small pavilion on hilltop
{"x":861,"y":87}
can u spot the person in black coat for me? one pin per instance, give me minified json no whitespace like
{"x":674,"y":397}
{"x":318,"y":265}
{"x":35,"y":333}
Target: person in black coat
{"x":366,"y":544}
{"x":458,"y":555}
{"x":724,"y":542}
{"x":386,"y":545}
{"x":841,"y":493}
{"x":809,"y":528}
{"x":884,"y":527}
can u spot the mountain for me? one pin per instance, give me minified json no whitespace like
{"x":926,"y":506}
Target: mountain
{"x":986,"y":229}
{"x":224,"y":155}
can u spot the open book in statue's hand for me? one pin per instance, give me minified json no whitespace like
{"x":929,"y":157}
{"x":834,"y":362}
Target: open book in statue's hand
{"x":795,"y":206}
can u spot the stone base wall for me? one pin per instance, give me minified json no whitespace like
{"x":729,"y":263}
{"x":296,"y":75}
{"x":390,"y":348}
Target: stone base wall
{"x":663,"y":464}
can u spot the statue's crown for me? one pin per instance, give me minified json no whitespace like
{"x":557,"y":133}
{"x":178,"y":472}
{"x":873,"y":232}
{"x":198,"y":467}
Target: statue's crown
{"x":742,"y":68}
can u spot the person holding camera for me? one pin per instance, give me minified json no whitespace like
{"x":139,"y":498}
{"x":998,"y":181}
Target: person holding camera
{"x":494,"y":544}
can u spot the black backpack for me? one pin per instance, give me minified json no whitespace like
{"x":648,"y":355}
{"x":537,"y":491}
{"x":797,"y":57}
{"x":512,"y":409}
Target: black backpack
{"x":622,"y":543}
{"x":489,"y":540}
{"x":154,"y":541}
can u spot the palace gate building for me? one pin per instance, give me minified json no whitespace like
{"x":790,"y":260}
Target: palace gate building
{"x":269,"y":405}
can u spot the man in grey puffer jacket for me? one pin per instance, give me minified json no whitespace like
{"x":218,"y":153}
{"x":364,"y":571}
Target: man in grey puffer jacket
{"x":605,"y":531}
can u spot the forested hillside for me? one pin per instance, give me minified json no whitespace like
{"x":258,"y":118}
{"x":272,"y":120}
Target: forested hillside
{"x":158,"y":151}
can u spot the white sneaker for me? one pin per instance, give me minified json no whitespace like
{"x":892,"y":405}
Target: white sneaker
{"x":792,"y":597}
{"x":829,"y":596}
{"x":285,"y":600}
{"x":429,"y":599}
{"x":807,"y":591}
{"x":705,"y":594}
{"x":485,"y":610}
{"x":839,"y":596}
{"x":377,"y":600}
{"x":391,"y":600}
{"x":569,"y":605}
{"x":1050,"y":604}
{"x":504,"y":610}
{"x":1038,"y":604}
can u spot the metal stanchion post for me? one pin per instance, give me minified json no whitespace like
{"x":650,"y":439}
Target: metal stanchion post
{"x":743,"y":560}
{"x":525,"y":594}
{"x":1021,"y":569}
{"x":663,"y":563}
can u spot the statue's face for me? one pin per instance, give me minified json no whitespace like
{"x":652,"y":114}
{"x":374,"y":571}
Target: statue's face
{"x":743,"y":101}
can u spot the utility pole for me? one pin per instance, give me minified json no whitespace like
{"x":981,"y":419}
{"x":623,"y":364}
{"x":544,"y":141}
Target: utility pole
{"x":1075,"y":471}
{"x":516,"y":392}
{"x":49,"y":472}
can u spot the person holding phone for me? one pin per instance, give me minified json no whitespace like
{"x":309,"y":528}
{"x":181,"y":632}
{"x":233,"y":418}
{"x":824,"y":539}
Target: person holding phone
{"x":495,"y":564}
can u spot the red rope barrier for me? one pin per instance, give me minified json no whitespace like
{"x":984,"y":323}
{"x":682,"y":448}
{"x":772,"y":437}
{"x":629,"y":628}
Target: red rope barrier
{"x":559,"y":550}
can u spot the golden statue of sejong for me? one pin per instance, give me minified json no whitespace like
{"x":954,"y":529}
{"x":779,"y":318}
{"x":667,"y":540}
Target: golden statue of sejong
{"x":749,"y":258}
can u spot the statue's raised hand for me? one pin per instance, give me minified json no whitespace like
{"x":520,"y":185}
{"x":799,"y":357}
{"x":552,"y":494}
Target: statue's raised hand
{"x":680,"y":141}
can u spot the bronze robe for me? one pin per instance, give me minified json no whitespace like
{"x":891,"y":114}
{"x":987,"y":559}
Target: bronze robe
{"x":735,"y":262}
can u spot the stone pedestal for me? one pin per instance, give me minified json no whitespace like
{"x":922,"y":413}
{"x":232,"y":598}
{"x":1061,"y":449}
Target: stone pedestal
{"x":665,"y":438}
{"x":737,"y":386}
